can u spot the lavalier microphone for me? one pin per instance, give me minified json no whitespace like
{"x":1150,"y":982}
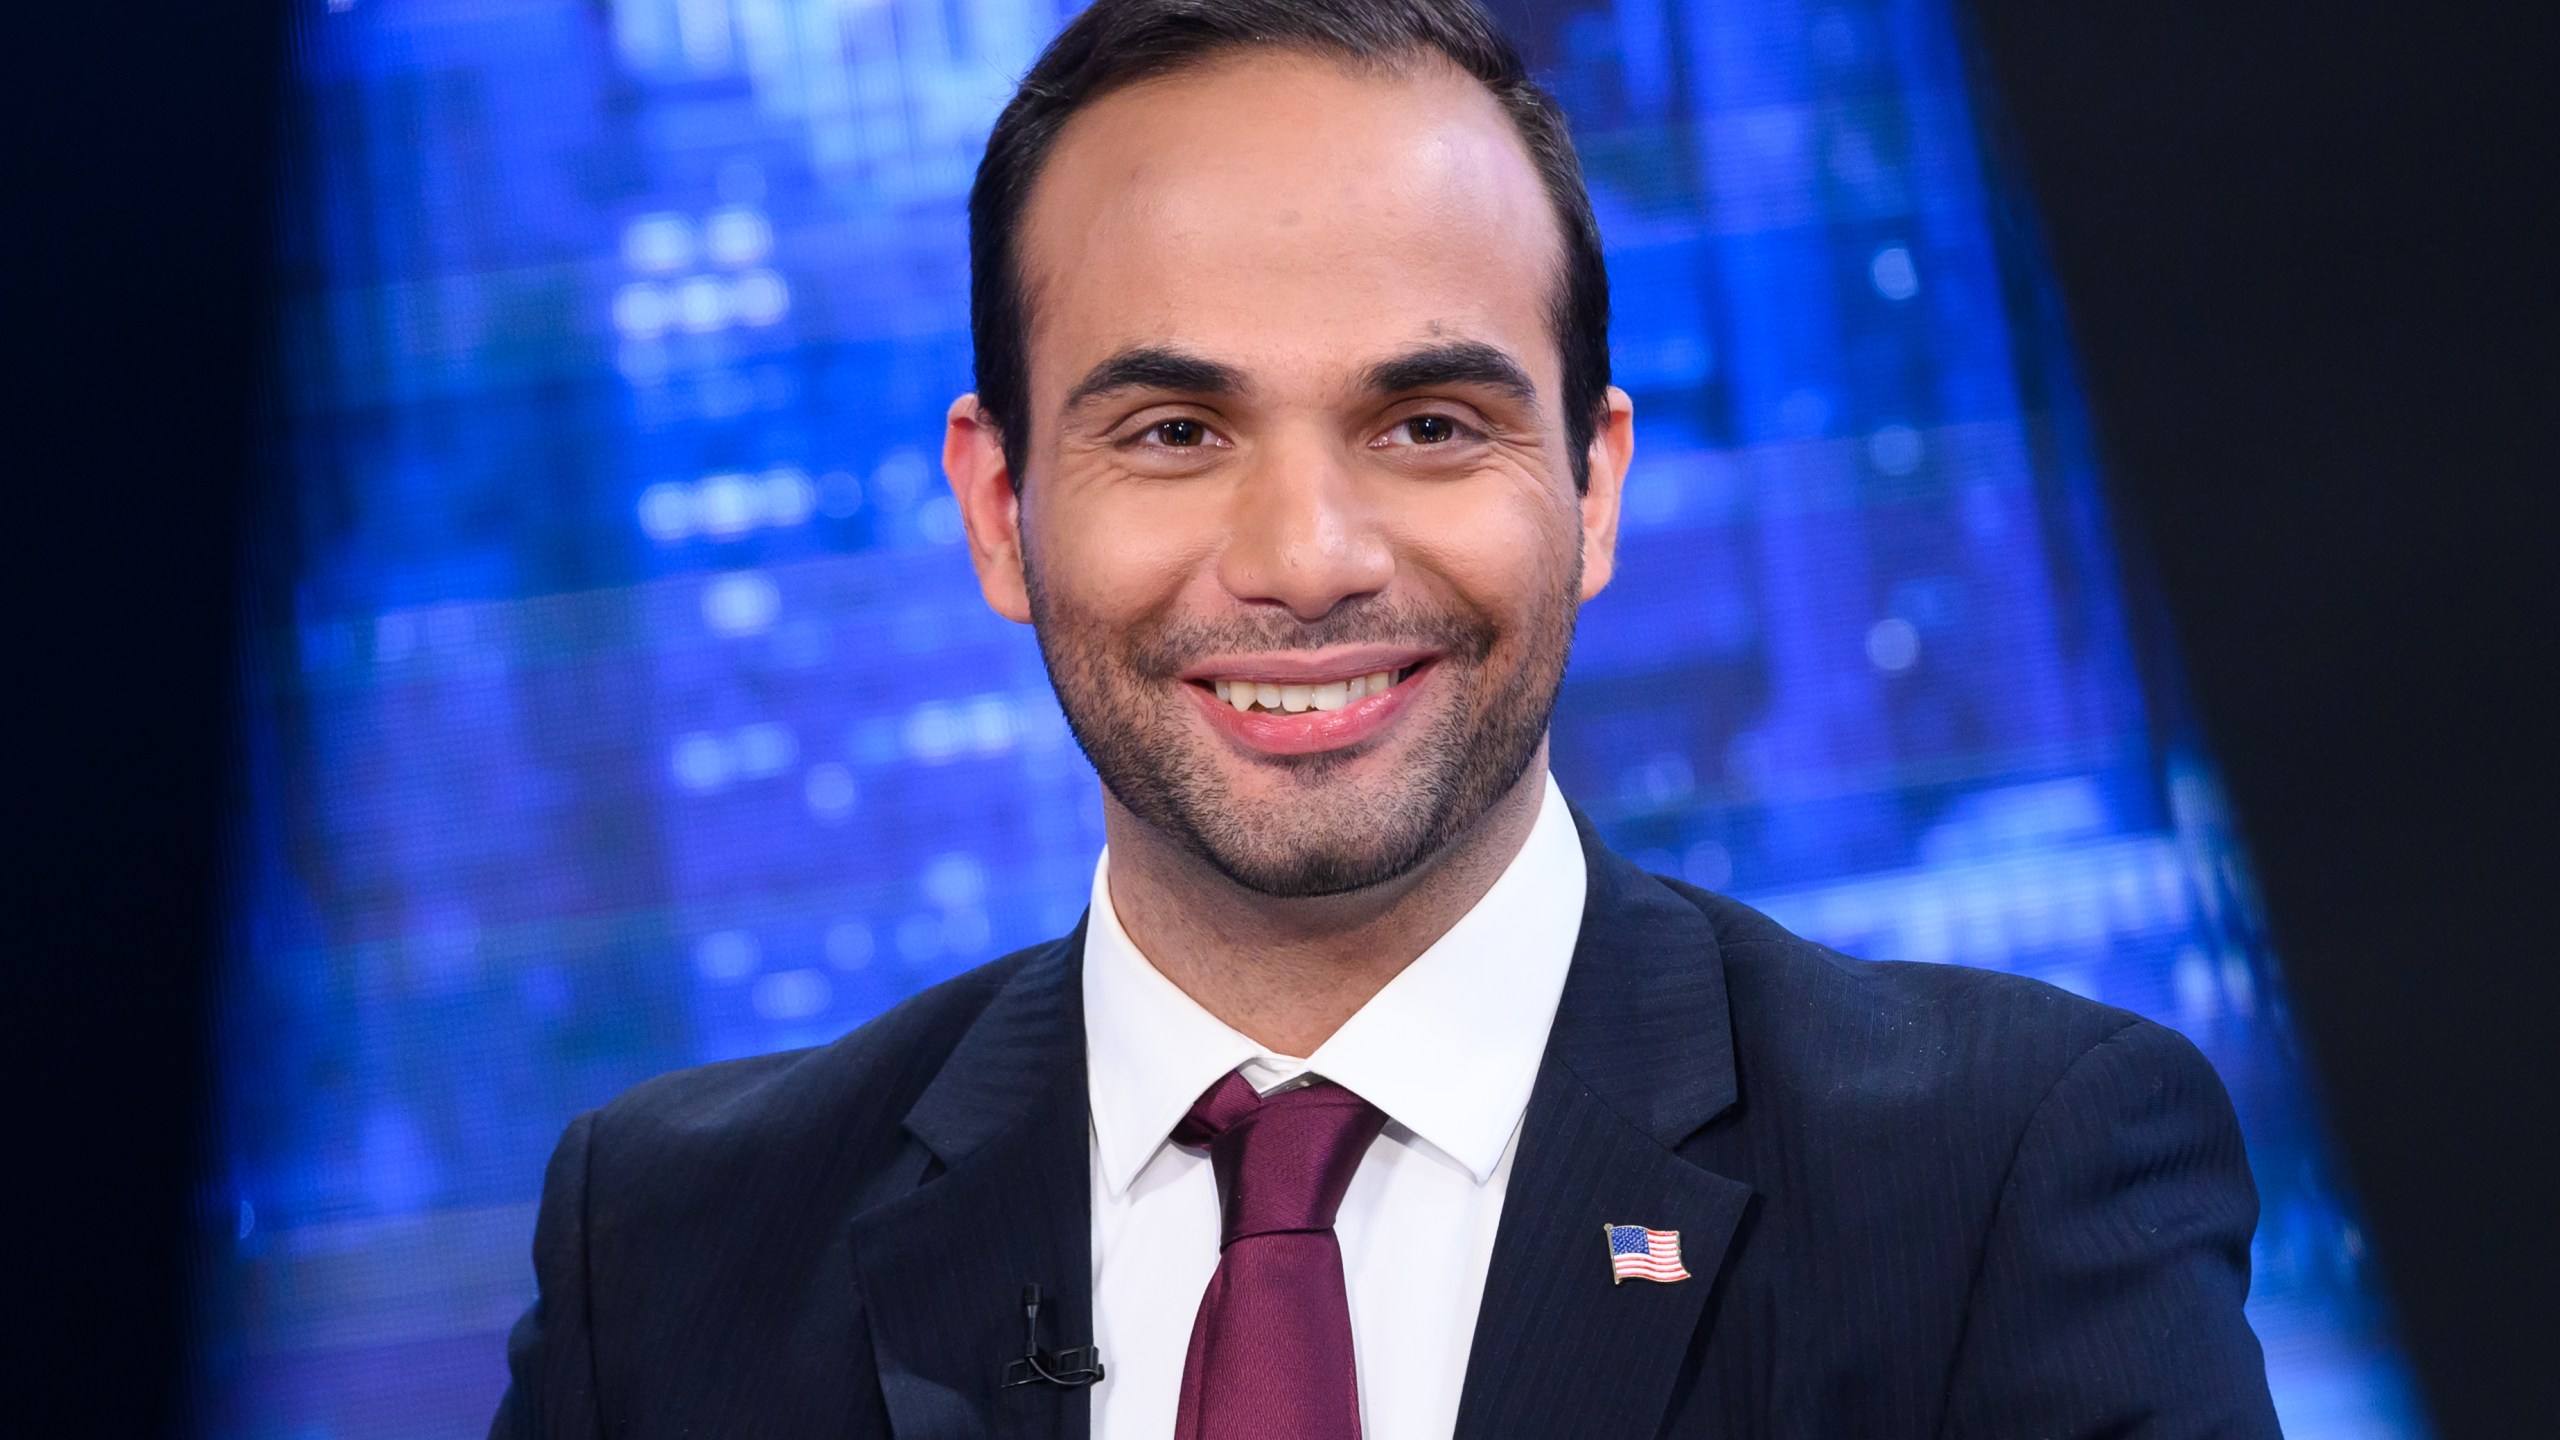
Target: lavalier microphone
{"x":1069,"y":1369}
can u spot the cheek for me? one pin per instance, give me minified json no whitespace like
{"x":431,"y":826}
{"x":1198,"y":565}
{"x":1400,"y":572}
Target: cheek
{"x":1116,"y":553}
{"x":1508,"y":550}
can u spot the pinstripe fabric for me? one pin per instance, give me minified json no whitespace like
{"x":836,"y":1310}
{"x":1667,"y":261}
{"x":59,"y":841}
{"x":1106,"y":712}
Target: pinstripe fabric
{"x":1917,"y":1201}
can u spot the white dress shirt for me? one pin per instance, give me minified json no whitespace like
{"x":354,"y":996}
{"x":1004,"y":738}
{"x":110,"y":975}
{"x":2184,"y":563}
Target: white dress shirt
{"x":1448,"y":1049}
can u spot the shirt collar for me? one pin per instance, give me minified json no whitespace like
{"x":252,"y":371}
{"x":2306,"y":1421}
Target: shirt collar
{"x":1449,"y":1048}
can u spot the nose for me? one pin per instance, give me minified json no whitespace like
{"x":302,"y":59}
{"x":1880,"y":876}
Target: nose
{"x":1303,"y":534}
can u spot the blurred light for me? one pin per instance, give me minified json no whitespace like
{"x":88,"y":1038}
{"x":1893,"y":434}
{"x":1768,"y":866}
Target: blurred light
{"x":932,"y":733}
{"x":955,"y":880}
{"x":640,"y":310}
{"x":1894,"y":449}
{"x":700,"y":762}
{"x":829,"y":791}
{"x":938,"y":520}
{"x":900,"y":477}
{"x":658,"y":244}
{"x":743,"y":603}
{"x":1896,"y":278}
{"x":727,"y":505}
{"x":788,"y":496}
{"x":701,"y":304}
{"x":1707,"y":865}
{"x":736,"y":235}
{"x":2191,"y":980}
{"x":792,"y":994}
{"x":764,"y":749}
{"x":839,"y":495}
{"x":726,"y":955}
{"x":989,"y":721}
{"x":1804,"y":414}
{"x":1893,"y":645}
{"x":395,"y":635}
{"x":848,"y":945}
{"x":2239,"y":987}
{"x":666,"y":511}
{"x":759,"y":298}
{"x":702,"y":28}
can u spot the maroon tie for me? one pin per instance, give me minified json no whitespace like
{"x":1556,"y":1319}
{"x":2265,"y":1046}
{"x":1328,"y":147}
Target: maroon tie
{"x":1271,"y":1352}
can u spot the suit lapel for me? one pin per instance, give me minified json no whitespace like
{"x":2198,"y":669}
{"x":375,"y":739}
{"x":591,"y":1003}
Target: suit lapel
{"x":1640,"y":1058}
{"x":942,"y":1267}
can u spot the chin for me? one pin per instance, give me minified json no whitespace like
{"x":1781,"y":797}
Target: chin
{"x":1337,"y":825}
{"x":1314,"y":872}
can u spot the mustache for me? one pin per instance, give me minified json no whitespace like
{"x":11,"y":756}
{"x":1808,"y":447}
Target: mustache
{"x":1163,"y":651}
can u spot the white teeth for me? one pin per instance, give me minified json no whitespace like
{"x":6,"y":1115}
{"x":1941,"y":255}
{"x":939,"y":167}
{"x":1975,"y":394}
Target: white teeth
{"x":1248,"y":695}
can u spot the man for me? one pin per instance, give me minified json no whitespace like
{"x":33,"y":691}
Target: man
{"x":1374,"y":1096}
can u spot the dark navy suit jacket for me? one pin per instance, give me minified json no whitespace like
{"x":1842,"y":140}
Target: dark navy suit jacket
{"x":1916,"y":1201}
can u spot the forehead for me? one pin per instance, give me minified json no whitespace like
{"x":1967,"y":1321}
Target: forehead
{"x":1284,"y":211}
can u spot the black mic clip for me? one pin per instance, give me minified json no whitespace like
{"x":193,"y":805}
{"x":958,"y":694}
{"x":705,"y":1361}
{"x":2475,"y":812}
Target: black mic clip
{"x":1070,"y":1369}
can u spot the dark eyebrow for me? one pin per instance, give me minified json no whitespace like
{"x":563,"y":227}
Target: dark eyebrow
{"x":1460,"y":362}
{"x":1153,"y":367}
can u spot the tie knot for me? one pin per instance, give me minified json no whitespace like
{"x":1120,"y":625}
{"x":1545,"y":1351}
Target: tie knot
{"x":1283,"y":1161}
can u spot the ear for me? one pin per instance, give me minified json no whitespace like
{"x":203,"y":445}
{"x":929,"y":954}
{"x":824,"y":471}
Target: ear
{"x":973,"y":460}
{"x":1613,"y":448}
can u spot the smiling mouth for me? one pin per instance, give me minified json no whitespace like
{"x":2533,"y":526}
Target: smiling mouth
{"x":1257,"y":697}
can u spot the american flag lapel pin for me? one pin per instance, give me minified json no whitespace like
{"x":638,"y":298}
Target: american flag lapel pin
{"x":1636,"y":1253}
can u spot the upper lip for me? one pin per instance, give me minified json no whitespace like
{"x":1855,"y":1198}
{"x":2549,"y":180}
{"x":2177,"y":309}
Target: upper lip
{"x":1306,"y":667}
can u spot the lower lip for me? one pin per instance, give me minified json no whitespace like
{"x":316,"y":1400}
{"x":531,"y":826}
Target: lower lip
{"x":1311,"y":732}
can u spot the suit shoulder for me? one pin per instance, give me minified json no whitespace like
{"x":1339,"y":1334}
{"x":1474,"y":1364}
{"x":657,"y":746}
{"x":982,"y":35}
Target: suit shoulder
{"x":1841,"y":1025}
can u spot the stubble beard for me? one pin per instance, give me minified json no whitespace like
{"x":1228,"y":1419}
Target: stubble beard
{"x":1122,"y":698}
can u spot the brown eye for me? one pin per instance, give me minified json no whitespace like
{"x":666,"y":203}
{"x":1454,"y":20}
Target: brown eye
{"x":1431,"y":429}
{"x":1181,"y":434}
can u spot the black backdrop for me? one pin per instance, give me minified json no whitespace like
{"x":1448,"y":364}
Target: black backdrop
{"x":2310,"y":257}
{"x":134,"y":225}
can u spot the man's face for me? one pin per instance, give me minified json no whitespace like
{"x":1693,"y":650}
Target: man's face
{"x":1299,"y":536}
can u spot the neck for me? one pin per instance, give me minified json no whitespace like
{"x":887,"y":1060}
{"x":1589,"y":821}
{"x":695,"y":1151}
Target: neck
{"x":1288,"y":972}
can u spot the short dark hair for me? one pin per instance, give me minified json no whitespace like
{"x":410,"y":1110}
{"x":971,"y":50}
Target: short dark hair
{"x":1115,"y":43}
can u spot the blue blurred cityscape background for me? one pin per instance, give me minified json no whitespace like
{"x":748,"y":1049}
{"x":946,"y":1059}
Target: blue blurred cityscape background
{"x":638,"y":707}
